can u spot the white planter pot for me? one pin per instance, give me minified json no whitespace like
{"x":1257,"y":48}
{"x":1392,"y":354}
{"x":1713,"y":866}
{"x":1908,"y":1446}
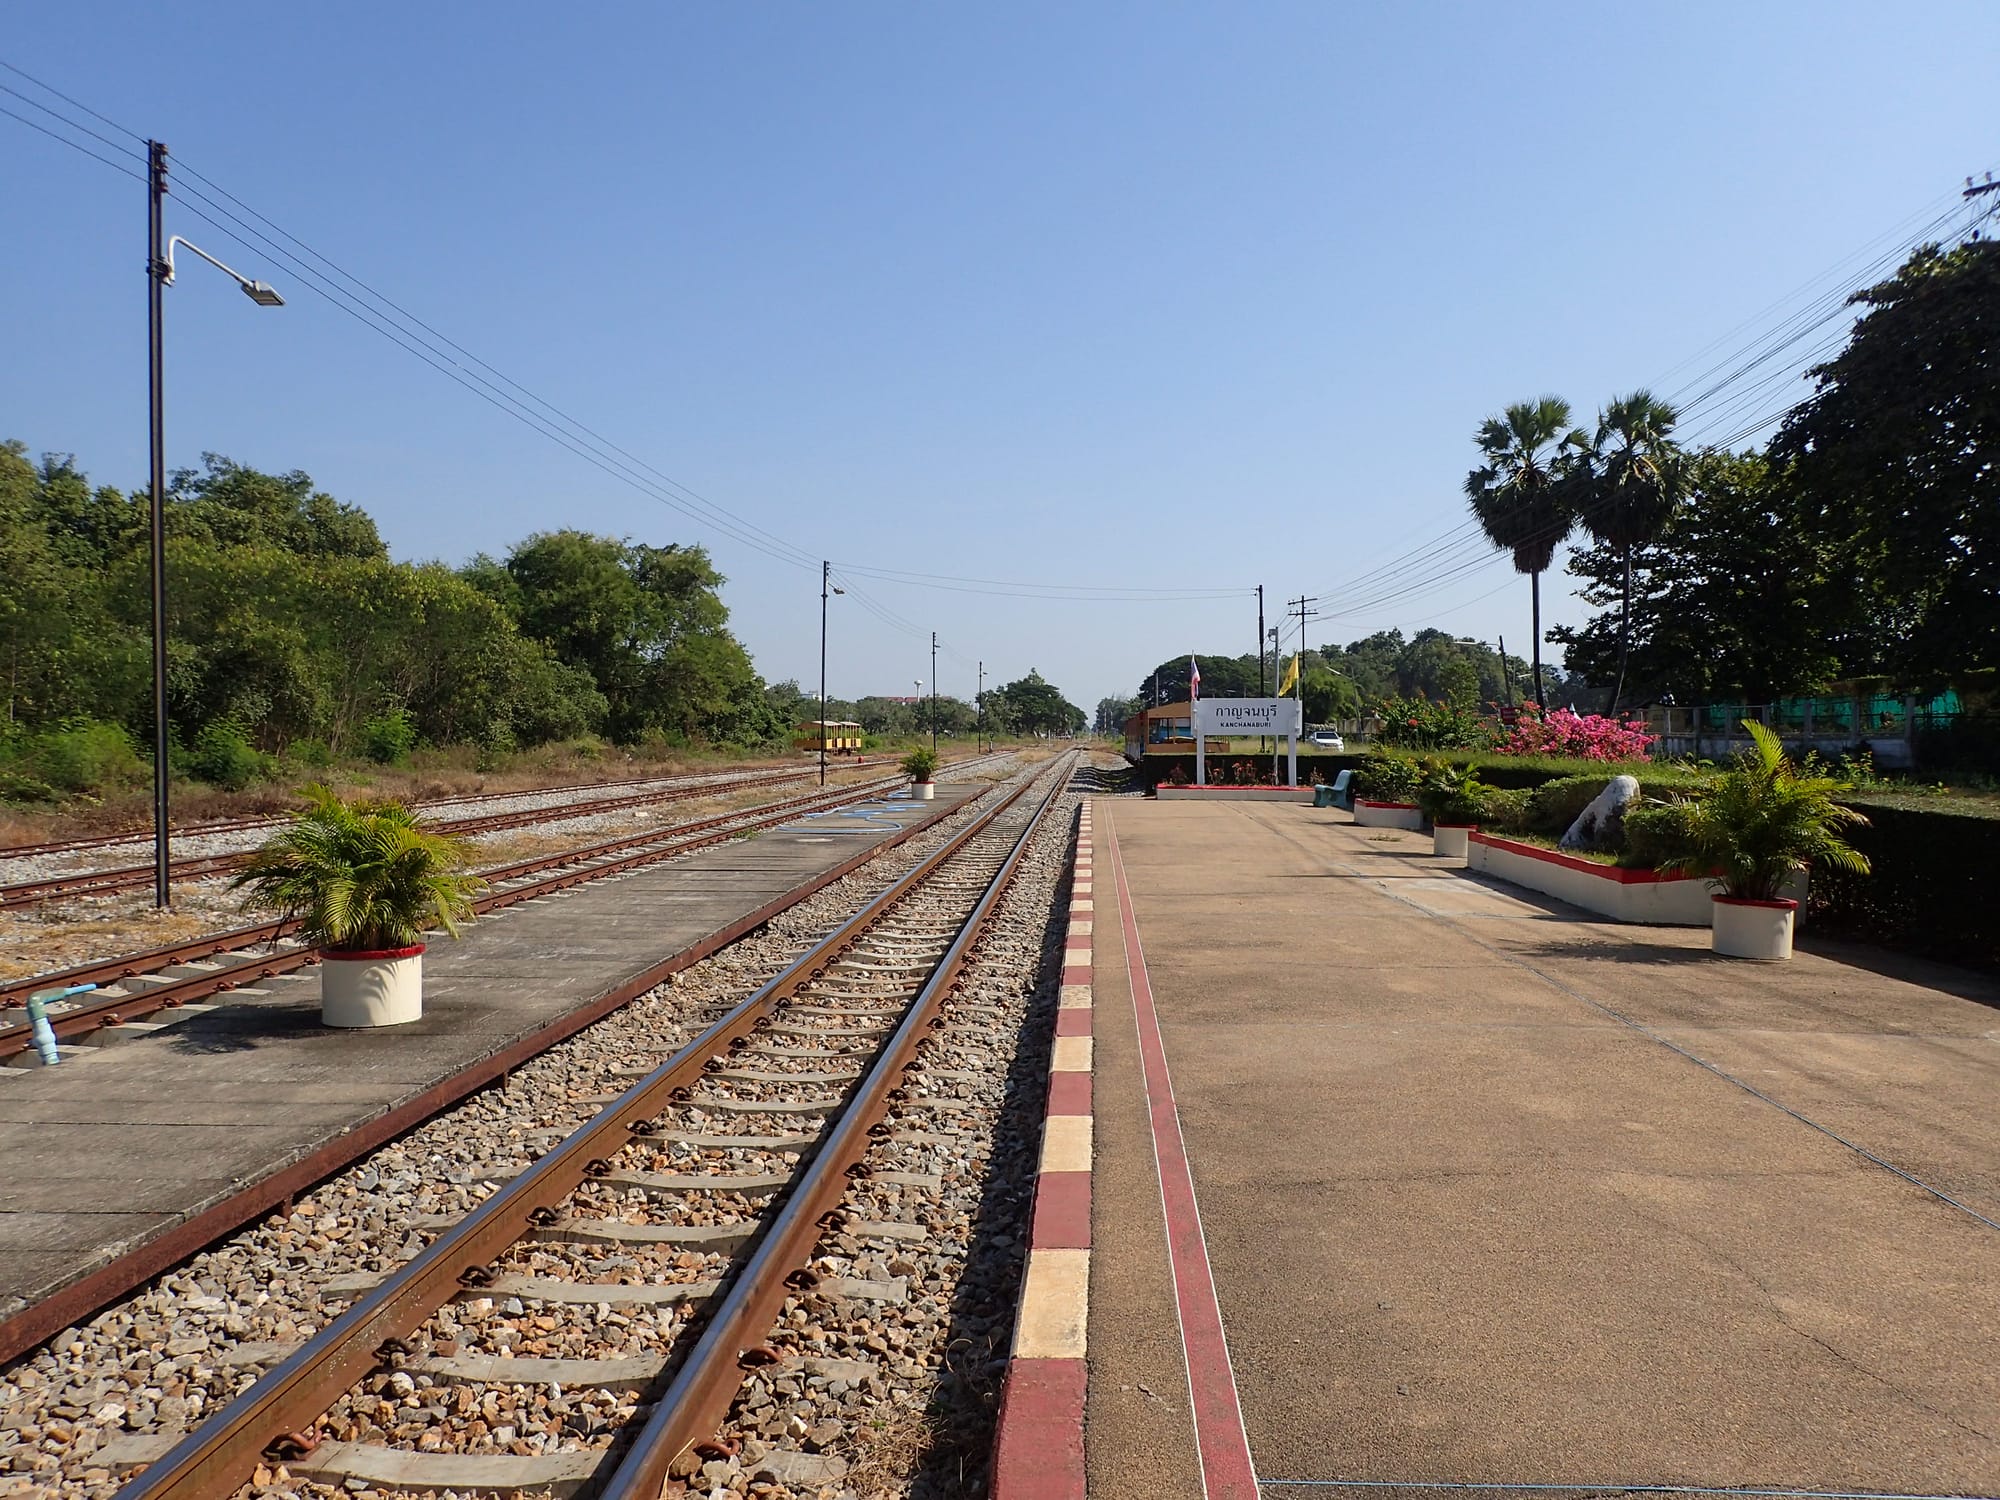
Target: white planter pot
{"x":383,"y":988}
{"x":1753,"y":929}
{"x":923,"y":791}
{"x":1450,"y":840}
{"x":1388,"y":815}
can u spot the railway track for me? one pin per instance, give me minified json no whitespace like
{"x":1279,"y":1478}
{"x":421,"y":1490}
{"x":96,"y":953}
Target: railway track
{"x":211,"y":867}
{"x":136,"y":986}
{"x":430,"y":804}
{"x":672,"y":1228}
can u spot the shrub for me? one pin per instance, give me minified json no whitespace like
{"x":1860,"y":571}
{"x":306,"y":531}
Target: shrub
{"x":1934,"y":888}
{"x":1583,"y":736}
{"x":920,"y":764}
{"x":224,"y":757}
{"x":89,"y":757}
{"x":313,"y":754}
{"x":26,"y":791}
{"x":1422,"y":724}
{"x":1554,"y":805}
{"x":389,"y":737}
{"x":1387,"y":778}
{"x":1450,"y":794}
{"x":1503,"y":809}
{"x":1656,"y":832}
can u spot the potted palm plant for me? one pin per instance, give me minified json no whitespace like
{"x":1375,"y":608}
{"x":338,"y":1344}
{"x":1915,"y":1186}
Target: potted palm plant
{"x":1761,"y":824}
{"x":364,"y":880}
{"x":920,"y":765}
{"x":1451,"y":797}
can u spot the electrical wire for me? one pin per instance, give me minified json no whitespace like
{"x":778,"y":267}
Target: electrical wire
{"x":73,"y":145}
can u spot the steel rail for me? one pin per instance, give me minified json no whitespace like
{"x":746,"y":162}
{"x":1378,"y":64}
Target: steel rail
{"x":461,"y":799}
{"x":699,"y":1397}
{"x":591,"y":862}
{"x":268,"y":1421}
{"x":31,"y":1325}
{"x":208,"y":866}
{"x":14,"y":993}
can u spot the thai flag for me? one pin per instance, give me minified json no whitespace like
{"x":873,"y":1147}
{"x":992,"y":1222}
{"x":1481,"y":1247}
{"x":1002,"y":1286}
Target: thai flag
{"x":1194,"y":680}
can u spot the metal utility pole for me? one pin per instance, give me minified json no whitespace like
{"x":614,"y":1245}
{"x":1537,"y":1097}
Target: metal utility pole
{"x":825,"y":582}
{"x":979,"y":708}
{"x":933,"y":692}
{"x":1299,"y":679}
{"x":156,"y":285}
{"x":1260,"y":650}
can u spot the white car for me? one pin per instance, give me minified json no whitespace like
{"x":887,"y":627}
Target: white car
{"x":1326,"y":739}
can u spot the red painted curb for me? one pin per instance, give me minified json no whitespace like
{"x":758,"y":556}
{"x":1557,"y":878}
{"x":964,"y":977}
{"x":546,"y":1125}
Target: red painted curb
{"x":1043,"y":1397}
{"x":1038,"y":1439}
{"x":1069,"y":1093}
{"x":1062,"y":1212}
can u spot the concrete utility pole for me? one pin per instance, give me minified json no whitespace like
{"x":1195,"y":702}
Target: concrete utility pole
{"x":1261,"y":689}
{"x":1299,"y":678}
{"x":156,"y":279}
{"x":979,"y":708}
{"x":934,"y":692}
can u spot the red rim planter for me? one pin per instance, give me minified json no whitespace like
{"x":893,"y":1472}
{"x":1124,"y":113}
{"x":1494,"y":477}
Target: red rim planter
{"x":371,"y":987}
{"x":1748,"y":928}
{"x":1452,"y":840}
{"x":1369,"y":813}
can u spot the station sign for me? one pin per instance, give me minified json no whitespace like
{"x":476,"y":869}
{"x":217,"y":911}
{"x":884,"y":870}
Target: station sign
{"x":1239,"y":716}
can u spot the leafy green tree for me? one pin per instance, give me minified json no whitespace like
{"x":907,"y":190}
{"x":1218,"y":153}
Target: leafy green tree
{"x":226,"y":504}
{"x":1635,"y":475}
{"x":1522,"y":496}
{"x":1736,"y":600}
{"x":1221,"y":677}
{"x":1039,"y":707}
{"x":1112,"y":714}
{"x":1328,"y":696}
{"x":648,"y":624}
{"x":1897,"y":456}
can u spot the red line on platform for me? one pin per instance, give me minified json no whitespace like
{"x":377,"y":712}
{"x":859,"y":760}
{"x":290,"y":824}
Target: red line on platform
{"x":1224,"y":1446}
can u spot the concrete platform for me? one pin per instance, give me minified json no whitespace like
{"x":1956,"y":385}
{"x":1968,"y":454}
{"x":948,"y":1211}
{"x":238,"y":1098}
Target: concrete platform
{"x":137,"y":1145}
{"x":1500,"y":1198}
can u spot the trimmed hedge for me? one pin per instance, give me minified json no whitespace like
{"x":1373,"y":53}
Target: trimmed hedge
{"x":1934,"y":891}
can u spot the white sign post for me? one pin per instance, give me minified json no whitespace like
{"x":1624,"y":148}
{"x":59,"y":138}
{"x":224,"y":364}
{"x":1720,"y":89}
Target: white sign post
{"x":1244,"y":717}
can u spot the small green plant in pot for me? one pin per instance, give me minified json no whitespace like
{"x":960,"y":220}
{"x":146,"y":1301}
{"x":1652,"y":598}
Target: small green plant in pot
{"x":1762,"y":823}
{"x":364,"y":881}
{"x":1451,"y":797}
{"x":920,"y":765}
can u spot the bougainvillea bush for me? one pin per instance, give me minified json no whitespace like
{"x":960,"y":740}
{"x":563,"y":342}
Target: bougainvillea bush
{"x":1579,"y":736}
{"x":1427,"y":724}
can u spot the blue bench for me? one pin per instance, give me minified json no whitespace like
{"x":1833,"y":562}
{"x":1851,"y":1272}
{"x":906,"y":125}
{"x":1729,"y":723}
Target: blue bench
{"x":1340,"y":794}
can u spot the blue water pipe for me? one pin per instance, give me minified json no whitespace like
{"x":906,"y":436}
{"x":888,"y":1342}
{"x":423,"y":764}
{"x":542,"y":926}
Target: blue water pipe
{"x":38,"y":1020}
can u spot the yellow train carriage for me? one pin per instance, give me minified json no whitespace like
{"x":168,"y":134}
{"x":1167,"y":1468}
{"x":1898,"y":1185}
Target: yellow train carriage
{"x":841,"y":736}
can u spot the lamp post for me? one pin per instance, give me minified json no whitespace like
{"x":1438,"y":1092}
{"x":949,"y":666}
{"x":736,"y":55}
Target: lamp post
{"x":160,"y":276}
{"x":825,"y":584}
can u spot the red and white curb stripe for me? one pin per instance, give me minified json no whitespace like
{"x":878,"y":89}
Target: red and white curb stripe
{"x":1038,"y":1451}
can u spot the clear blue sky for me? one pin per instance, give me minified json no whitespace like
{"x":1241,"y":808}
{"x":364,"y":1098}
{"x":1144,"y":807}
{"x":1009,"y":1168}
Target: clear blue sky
{"x":1110,"y":295}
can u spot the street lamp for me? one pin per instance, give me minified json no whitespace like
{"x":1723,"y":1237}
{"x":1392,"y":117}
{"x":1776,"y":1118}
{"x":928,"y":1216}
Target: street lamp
{"x":160,"y":276}
{"x":827,"y":579}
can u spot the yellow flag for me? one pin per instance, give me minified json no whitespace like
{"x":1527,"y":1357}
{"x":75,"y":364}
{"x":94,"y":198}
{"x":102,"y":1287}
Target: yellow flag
{"x":1291,"y":677}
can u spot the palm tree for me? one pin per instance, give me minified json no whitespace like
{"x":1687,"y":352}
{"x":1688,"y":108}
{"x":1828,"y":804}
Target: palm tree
{"x":1638,"y":475}
{"x":1523,"y":494}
